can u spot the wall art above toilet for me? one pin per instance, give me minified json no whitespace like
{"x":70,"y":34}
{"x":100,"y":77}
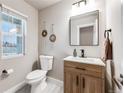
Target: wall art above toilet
{"x":44,"y":31}
{"x":52,"y":37}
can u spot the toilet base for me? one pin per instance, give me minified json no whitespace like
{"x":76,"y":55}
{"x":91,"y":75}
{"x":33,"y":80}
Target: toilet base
{"x":38,"y":88}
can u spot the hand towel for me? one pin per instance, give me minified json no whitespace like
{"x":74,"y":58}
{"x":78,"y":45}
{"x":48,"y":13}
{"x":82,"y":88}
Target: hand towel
{"x":108,"y":54}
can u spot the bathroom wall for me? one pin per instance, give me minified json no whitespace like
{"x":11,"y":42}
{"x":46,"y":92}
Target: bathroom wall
{"x":59,"y":15}
{"x":114,"y":21}
{"x":21,"y":65}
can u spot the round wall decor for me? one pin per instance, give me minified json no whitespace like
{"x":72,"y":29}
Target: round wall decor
{"x":44,"y":33}
{"x":52,"y":38}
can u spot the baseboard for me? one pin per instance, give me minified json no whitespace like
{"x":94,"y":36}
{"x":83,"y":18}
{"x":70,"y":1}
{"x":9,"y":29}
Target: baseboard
{"x":55,"y":81}
{"x":15,"y":88}
{"x":20,"y":85}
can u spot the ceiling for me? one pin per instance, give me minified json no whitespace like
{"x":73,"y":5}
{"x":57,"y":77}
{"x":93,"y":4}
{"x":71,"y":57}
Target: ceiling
{"x":40,"y":4}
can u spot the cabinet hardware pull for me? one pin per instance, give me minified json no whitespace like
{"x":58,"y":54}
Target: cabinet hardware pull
{"x":83,"y":82}
{"x":77,"y":80}
{"x":80,"y":68}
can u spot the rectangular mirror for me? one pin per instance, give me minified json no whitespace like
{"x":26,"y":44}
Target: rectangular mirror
{"x":84,"y":29}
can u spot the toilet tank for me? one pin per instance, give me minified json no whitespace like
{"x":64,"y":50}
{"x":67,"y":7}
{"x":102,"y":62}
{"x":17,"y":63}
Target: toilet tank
{"x":46,"y":62}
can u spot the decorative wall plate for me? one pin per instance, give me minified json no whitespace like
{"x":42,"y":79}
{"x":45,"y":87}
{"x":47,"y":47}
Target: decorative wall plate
{"x":52,"y":38}
{"x":44,"y":33}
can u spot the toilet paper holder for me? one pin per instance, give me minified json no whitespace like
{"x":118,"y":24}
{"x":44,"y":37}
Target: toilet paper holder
{"x":6,"y":72}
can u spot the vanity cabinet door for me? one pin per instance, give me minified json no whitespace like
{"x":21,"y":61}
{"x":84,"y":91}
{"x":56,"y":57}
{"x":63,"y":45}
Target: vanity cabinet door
{"x":83,"y":78}
{"x":91,"y":84}
{"x":71,"y":82}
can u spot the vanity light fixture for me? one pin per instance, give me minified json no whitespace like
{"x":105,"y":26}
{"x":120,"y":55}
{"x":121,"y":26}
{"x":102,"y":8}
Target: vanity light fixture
{"x":79,"y":7}
{"x":79,"y":2}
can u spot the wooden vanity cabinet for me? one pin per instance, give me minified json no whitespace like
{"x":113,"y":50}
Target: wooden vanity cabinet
{"x":83,"y":78}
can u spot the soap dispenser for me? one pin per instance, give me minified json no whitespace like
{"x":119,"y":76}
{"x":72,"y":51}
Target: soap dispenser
{"x":75,"y":53}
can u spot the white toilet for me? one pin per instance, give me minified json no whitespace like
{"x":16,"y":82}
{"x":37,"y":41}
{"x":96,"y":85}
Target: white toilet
{"x":37,"y":78}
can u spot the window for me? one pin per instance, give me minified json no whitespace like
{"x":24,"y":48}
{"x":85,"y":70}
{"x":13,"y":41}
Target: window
{"x":13,"y":35}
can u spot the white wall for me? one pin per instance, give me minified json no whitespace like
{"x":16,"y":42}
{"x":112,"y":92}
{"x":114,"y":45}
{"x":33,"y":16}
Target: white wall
{"x":21,"y":65}
{"x":59,"y":15}
{"x":114,"y":21}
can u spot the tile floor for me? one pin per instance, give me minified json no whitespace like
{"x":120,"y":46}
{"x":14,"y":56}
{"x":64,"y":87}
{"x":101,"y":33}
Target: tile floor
{"x":51,"y":88}
{"x":24,"y":89}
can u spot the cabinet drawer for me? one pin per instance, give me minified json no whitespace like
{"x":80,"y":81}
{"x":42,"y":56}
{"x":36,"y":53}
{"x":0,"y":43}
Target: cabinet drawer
{"x":87,"y":69}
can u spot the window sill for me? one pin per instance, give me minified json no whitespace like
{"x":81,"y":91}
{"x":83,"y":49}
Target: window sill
{"x":11,"y":57}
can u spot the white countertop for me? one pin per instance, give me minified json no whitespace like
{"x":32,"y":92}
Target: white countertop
{"x":93,"y":61}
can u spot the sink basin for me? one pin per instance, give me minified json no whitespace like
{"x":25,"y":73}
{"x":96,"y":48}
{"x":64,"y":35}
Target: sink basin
{"x":82,"y":59}
{"x":94,"y":61}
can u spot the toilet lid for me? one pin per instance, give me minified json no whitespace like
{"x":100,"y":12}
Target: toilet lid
{"x":36,"y":74}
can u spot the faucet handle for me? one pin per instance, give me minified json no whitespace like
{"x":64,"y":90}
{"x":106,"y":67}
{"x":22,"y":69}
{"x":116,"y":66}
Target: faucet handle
{"x":82,"y":52}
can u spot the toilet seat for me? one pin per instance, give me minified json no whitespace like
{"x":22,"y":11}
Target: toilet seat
{"x":37,"y":74}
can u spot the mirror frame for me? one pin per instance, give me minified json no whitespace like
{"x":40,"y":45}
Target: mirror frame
{"x":85,"y":14}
